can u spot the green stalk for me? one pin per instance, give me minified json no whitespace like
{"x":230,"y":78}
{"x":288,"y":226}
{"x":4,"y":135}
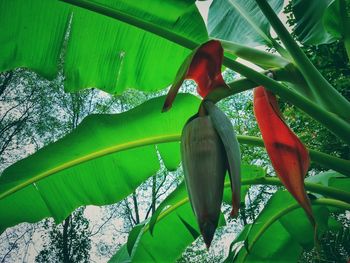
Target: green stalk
{"x":326,"y":160}
{"x":331,"y":121}
{"x":327,"y":191}
{"x":262,"y":58}
{"x":288,"y":209}
{"x":323,"y":91}
{"x":239,"y":85}
{"x":312,"y":187}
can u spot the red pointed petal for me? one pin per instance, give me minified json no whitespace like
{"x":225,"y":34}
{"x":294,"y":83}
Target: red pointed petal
{"x":288,"y":155}
{"x":203,"y":65}
{"x":205,"y":68}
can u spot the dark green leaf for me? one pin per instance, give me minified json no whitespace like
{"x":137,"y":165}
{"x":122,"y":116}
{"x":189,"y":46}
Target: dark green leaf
{"x":240,"y":21}
{"x":309,"y":15}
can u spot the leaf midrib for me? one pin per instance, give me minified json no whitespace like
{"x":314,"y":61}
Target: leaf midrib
{"x":91,"y":156}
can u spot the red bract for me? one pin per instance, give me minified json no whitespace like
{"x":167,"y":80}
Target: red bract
{"x":205,"y":68}
{"x":203,"y":65}
{"x":288,"y":155}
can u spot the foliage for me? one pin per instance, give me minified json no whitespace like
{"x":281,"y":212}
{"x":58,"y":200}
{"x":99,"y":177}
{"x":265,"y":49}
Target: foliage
{"x":74,"y":234}
{"x":103,"y":160}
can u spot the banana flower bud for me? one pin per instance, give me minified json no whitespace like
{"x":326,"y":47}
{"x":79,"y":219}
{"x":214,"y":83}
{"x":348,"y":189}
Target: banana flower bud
{"x":209,"y":148}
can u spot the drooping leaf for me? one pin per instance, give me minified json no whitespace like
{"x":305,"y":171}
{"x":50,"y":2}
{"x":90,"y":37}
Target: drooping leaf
{"x":95,"y":164}
{"x":122,"y":256}
{"x":224,"y":128}
{"x":288,"y":155}
{"x":169,"y":240}
{"x":101,"y":52}
{"x":195,"y":234}
{"x":240,"y":21}
{"x":134,"y":237}
{"x":203,"y":65}
{"x":177,"y":198}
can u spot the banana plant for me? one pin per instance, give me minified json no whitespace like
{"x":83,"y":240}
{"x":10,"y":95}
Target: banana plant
{"x":114,"y":48}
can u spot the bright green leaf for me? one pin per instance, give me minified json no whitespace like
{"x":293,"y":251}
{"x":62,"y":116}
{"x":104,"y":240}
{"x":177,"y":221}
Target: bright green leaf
{"x":101,"y":52}
{"x":279,"y":233}
{"x":176,"y":229}
{"x":98,"y":163}
{"x":122,"y":256}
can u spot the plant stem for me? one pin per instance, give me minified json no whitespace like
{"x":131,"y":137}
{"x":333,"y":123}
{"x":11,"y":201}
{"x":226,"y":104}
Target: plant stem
{"x":312,"y":187}
{"x":326,"y":160}
{"x":322,"y":90}
{"x":286,"y":74}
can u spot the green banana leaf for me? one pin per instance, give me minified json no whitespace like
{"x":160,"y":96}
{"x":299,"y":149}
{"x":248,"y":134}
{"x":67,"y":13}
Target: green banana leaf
{"x":176,"y":229}
{"x":322,"y":21}
{"x":99,"y":51}
{"x":241,"y":21}
{"x":310,"y":28}
{"x":167,"y":244}
{"x":286,"y":233}
{"x":100,"y":162}
{"x":337,"y":21}
{"x":122,"y":256}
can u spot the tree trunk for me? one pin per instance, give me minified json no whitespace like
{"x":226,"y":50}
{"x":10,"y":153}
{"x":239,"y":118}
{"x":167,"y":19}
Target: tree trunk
{"x":137,"y":215}
{"x":65,"y":249}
